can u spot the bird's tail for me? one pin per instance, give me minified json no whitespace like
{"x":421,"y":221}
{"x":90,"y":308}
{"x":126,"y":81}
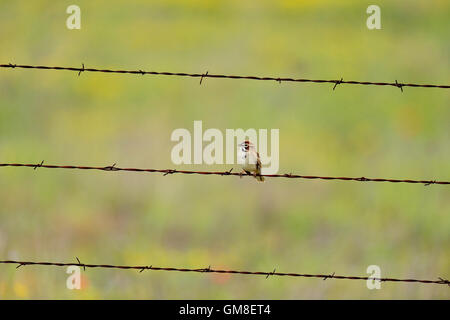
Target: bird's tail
{"x":259,"y":177}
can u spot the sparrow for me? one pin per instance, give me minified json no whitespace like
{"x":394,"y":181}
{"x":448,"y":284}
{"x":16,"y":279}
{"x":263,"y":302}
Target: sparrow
{"x":249,"y":158}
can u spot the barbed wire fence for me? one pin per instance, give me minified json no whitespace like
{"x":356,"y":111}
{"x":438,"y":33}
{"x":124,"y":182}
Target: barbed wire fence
{"x":165,"y":172}
{"x":202,"y":76}
{"x":440,"y":280}
{"x":221,"y":173}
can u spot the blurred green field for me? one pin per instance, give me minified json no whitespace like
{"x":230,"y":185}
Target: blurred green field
{"x":226,"y":222}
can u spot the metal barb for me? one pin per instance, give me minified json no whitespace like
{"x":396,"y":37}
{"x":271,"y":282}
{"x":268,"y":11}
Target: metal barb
{"x":444,"y":281}
{"x":81,"y":70}
{"x":329,"y":276}
{"x":399,"y":85}
{"x":81,"y":264}
{"x":146,"y":268}
{"x":338,"y":82}
{"x":206,"y":269}
{"x":203,"y":75}
{"x":39,"y":165}
{"x":227,"y":173}
{"x":111,"y":168}
{"x":12,"y":65}
{"x":430,"y":182}
{"x":270,"y":273}
{"x":169,"y":171}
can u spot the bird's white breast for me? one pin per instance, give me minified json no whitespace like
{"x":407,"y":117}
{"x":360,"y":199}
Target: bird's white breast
{"x":248,"y":160}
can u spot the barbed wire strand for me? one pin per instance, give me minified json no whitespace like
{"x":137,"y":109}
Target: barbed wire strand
{"x":210,"y":270}
{"x":222,"y":173}
{"x":223,"y":76}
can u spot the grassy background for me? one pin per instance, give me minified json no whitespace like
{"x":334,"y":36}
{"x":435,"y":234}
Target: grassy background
{"x":196,"y":221}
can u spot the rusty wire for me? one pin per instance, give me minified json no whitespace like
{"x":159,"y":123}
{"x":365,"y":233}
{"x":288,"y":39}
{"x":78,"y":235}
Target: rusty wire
{"x":221,"y":173}
{"x":211,"y":270}
{"x":202,"y":76}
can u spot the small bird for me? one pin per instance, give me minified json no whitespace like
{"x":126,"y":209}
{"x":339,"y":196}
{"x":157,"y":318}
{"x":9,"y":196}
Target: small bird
{"x":249,"y":158}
